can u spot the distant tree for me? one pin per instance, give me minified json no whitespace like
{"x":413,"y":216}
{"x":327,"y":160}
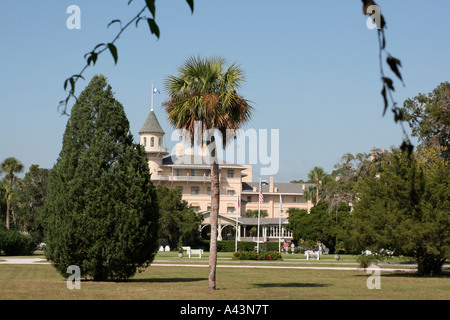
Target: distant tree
{"x":3,"y":200}
{"x":404,"y":206}
{"x":341,"y":187}
{"x":318,"y":225}
{"x":428,"y":115}
{"x":10,"y":166}
{"x":101,"y":211}
{"x":254,"y":213}
{"x":316,"y":174}
{"x":31,"y":192}
{"x":178,"y":221}
{"x":298,"y":181}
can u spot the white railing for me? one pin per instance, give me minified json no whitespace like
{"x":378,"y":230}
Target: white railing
{"x":169,"y":177}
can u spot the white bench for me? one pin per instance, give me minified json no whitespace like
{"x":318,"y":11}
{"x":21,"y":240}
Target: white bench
{"x":309,"y":253}
{"x":195,"y":251}
{"x":186,"y":248}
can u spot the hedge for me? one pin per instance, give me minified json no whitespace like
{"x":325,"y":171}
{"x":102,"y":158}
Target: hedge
{"x":230,"y":245}
{"x":14,"y":242}
{"x":253,"y":255}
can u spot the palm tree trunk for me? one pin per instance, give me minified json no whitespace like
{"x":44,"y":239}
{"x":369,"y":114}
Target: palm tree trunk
{"x":215,"y":200}
{"x":8,"y":201}
{"x":7,"y":214}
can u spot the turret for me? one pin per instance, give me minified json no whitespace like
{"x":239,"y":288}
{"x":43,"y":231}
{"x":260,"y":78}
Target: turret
{"x":151,"y":137}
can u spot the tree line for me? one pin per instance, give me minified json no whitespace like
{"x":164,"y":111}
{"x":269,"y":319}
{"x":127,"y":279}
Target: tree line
{"x":388,"y":199}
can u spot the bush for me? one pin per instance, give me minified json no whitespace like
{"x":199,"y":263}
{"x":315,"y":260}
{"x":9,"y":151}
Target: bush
{"x":253,"y":255}
{"x":366,"y":260}
{"x":14,"y":242}
{"x":230,"y":245}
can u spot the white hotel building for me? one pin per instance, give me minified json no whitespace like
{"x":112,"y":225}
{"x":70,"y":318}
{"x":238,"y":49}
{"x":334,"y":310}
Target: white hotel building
{"x":191,"y":174}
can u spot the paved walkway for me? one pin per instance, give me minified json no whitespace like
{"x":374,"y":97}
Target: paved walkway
{"x":162,"y":264}
{"x":159,"y":264}
{"x":23,"y":261}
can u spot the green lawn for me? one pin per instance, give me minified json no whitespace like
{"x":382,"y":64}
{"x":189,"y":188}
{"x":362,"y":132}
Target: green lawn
{"x":234,"y":282}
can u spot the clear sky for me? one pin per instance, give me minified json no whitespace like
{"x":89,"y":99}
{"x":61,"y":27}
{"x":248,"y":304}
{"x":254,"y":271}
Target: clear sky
{"x":311,"y":68}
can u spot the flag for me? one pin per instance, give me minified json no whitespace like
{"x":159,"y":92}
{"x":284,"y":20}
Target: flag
{"x":155,"y":90}
{"x":261,"y":196}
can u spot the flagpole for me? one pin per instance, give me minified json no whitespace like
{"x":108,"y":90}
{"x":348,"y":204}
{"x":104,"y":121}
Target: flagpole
{"x":237,"y":217}
{"x":279,"y":225}
{"x":152,"y":97}
{"x":259,"y":210}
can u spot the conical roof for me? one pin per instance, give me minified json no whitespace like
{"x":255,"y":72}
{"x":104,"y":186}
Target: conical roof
{"x":151,"y":125}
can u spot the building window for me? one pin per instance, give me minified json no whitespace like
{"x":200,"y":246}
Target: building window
{"x":160,"y":142}
{"x":294,"y":199}
{"x":180,"y":188}
{"x":231,"y":192}
{"x":208,"y":190}
{"x":266,"y":199}
{"x":179,"y":172}
{"x":194,"y":172}
{"x":231,"y":209}
{"x":249,"y":198}
{"x":194,"y":190}
{"x":208,"y":208}
{"x":145,"y":142}
{"x":230,"y":174}
{"x":196,"y":209}
{"x":152,"y":142}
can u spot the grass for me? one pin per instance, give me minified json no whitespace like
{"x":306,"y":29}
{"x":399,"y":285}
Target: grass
{"x":164,"y":281}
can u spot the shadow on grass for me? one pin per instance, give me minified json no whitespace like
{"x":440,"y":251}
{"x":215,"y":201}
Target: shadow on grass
{"x":145,"y":280}
{"x":403,"y":274}
{"x":291,"y":285}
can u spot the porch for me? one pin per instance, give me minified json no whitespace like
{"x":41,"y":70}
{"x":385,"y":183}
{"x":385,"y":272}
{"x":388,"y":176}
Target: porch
{"x":269,"y":229}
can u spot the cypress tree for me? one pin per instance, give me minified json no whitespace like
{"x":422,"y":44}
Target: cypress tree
{"x":101,"y":212}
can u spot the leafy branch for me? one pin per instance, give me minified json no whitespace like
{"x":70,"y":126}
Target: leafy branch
{"x":388,"y":84}
{"x":91,"y":57}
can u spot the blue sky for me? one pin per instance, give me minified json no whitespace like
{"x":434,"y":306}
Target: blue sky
{"x":311,"y":68}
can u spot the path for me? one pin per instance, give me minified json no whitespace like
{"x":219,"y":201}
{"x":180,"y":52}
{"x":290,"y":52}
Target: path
{"x":158,"y":264}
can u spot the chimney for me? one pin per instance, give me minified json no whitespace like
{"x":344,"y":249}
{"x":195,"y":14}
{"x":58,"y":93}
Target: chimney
{"x":271,"y":184}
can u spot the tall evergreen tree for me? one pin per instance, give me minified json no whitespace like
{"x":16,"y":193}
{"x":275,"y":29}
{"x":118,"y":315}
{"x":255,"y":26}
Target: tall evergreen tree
{"x":101,"y":212}
{"x":404,"y":206}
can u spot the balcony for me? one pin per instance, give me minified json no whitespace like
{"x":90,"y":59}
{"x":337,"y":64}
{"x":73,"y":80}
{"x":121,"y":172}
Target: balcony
{"x":175,"y":178}
{"x":163,"y":150}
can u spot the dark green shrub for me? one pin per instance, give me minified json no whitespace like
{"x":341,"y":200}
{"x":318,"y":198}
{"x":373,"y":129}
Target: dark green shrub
{"x":253,"y":255}
{"x":14,"y":242}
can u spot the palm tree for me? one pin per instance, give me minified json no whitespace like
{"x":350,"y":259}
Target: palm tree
{"x":204,"y":92}
{"x":10,"y":166}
